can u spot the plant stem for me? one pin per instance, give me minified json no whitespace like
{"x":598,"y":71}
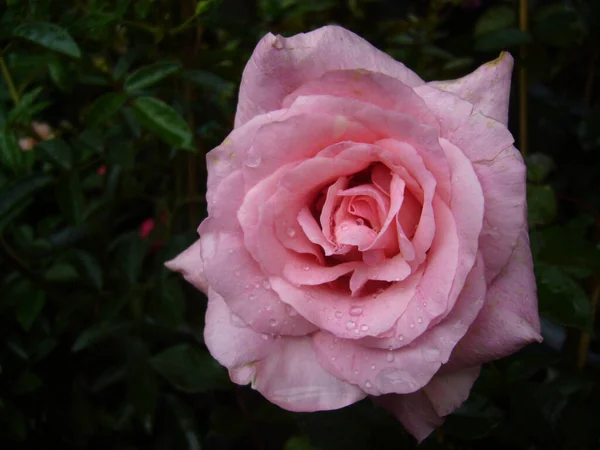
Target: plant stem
{"x":523,"y":20}
{"x":9,"y":81}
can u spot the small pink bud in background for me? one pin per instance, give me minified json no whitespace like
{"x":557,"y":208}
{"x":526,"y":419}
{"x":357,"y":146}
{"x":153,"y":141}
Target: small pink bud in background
{"x":27,"y":144}
{"x":146,"y":228}
{"x":101,"y":170}
{"x":43,"y":130}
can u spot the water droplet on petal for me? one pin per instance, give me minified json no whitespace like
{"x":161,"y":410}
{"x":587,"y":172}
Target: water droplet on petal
{"x":400,"y":337}
{"x":344,"y":227}
{"x":266,"y":284}
{"x":364,"y":328}
{"x":291,"y":232}
{"x":253,"y":159}
{"x":372,"y":366}
{"x":338,"y":314}
{"x":424,"y":304}
{"x":272,"y":322}
{"x":230,"y":251}
{"x":368,"y":384}
{"x":264,"y":337}
{"x":356,"y":331}
{"x":350,"y":324}
{"x":236,"y":273}
{"x":420,"y":319}
{"x":356,"y":311}
{"x":251,"y":297}
{"x":333,"y":358}
{"x":360,"y":221}
{"x":306,"y":267}
{"x":390,"y":357}
{"x":291,"y":311}
{"x":412,"y":324}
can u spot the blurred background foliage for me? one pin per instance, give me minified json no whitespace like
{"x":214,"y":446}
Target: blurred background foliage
{"x":107,"y":108}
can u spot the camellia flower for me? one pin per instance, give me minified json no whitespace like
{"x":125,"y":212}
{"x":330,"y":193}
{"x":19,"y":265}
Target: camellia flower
{"x":366,"y":231}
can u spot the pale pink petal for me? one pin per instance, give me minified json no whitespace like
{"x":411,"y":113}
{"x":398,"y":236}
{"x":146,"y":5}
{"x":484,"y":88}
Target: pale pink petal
{"x":414,"y":411}
{"x":232,"y":272}
{"x":448,"y":390}
{"x":229,"y":340}
{"x":376,"y":88}
{"x":503,"y":184}
{"x":406,"y":369}
{"x":331,"y":201}
{"x":189,"y":264}
{"x":488,"y":87}
{"x":312,"y":231}
{"x":509,"y":318}
{"x":292,"y":378}
{"x":280,"y":65}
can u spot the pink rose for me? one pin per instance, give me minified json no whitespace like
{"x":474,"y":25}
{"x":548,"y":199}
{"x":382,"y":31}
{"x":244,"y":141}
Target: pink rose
{"x":366,"y":232}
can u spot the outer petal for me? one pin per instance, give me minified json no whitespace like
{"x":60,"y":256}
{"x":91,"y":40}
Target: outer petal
{"x":423,"y":411}
{"x":415,"y":411}
{"x":189,"y":264}
{"x":488,"y":88}
{"x":284,"y":370}
{"x":509,"y":318}
{"x":292,"y":378}
{"x":280,"y":65}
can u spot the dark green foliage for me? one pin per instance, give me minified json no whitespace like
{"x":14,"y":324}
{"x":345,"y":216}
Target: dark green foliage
{"x":102,"y":347}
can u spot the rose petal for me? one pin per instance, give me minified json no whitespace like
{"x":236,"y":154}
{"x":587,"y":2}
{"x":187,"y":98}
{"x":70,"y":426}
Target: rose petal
{"x":189,"y":264}
{"x":415,"y":411}
{"x":280,"y":65}
{"x":509,"y":319}
{"x":448,"y":390}
{"x":488,"y":87}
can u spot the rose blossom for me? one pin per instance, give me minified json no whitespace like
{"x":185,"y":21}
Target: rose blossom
{"x":366,"y":233}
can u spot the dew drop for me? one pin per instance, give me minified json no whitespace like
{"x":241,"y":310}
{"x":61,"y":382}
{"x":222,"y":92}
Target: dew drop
{"x":338,"y":314}
{"x":390,"y":357}
{"x":291,"y":311}
{"x":344,"y":227}
{"x":266,"y":284}
{"x":360,"y":222}
{"x":368,"y":384}
{"x":356,"y":372}
{"x":236,"y":273}
{"x":372,"y":366}
{"x":364,"y":327}
{"x":257,"y":284}
{"x":264,"y":337}
{"x":253,"y":159}
{"x":356,"y":311}
{"x":291,"y":232}
{"x":420,"y":319}
{"x":350,"y":324}
{"x":424,"y":304}
{"x":306,"y":268}
{"x":272,"y":322}
{"x":412,"y":324}
{"x":356,"y":331}
{"x":230,"y":251}
{"x":251,"y":297}
{"x":400,"y":337}
{"x":333,"y":358}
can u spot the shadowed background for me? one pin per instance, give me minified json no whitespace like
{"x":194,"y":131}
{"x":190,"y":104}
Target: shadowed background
{"x":107,"y":108}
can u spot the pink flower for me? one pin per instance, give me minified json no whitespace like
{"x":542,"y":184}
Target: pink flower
{"x":43,"y":130}
{"x":366,"y":233}
{"x":101,"y":170}
{"x":146,"y":227}
{"x":27,"y":144}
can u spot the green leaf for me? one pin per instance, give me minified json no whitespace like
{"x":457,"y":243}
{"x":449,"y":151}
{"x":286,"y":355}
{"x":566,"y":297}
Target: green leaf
{"x":56,"y":152}
{"x":149,"y":75}
{"x":69,"y":194}
{"x":163,"y":120}
{"x":11,"y":155}
{"x":562,"y":299}
{"x":494,"y":19}
{"x":298,"y":443}
{"x":502,"y":40}
{"x":186,"y":423}
{"x":89,"y":268}
{"x":104,"y":108}
{"x":27,"y":382}
{"x":29,"y":302}
{"x":109,"y":329}
{"x":202,"y":6}
{"x":48,"y":35}
{"x":188,"y":369}
{"x":539,"y":166}
{"x":131,"y":252}
{"x":142,"y":385}
{"x":541,"y":205}
{"x":14,"y":194}
{"x":108,"y":378}
{"x":61,"y":273}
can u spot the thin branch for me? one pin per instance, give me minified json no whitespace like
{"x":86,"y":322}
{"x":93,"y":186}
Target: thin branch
{"x":9,"y":81}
